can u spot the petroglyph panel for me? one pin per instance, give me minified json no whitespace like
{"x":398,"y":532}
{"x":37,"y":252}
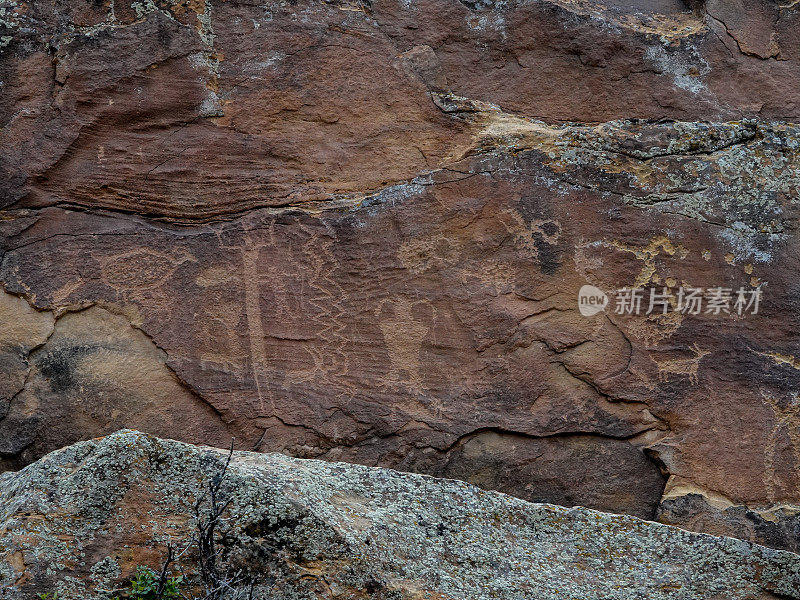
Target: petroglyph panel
{"x":360,"y":234}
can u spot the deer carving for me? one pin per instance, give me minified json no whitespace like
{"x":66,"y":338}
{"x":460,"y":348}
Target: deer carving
{"x":787,"y":418}
{"x":682,"y":366}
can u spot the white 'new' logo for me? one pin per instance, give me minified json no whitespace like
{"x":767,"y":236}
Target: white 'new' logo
{"x":591,"y":300}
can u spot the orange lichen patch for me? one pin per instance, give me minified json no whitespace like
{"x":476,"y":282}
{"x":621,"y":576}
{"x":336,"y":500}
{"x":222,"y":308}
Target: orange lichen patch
{"x":511,"y":132}
{"x":195,"y":6}
{"x":670,"y":27}
{"x":648,"y":254}
{"x":643,"y":174}
{"x":16,"y":560}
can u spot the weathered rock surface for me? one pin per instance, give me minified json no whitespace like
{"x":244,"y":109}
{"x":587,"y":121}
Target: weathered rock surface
{"x":81,"y":519}
{"x":356,"y":231}
{"x":778,"y":527}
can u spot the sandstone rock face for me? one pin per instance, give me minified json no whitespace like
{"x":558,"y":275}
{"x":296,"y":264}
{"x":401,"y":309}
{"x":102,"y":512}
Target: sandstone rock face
{"x":81,"y":519}
{"x":357,"y":230}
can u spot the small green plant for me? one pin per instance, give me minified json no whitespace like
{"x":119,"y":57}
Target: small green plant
{"x":149,"y":585}
{"x":218,"y":579}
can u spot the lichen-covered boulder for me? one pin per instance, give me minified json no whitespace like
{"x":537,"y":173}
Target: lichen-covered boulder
{"x":80,"y":520}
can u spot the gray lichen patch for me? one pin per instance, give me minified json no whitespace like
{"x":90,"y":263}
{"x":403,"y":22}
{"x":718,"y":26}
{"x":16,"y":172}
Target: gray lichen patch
{"x":738,"y":177}
{"x":309,"y":528}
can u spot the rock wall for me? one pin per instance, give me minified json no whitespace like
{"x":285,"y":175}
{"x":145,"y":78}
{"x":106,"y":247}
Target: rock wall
{"x":312,"y":529}
{"x":357,"y":230}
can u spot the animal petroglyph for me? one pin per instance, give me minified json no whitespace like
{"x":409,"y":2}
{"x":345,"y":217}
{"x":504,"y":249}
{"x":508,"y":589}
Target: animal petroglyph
{"x":682,"y":366}
{"x":141,"y":276}
{"x":787,"y":418}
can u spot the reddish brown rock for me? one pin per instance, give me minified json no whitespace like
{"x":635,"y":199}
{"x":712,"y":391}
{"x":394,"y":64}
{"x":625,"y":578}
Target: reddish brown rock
{"x":357,"y":232}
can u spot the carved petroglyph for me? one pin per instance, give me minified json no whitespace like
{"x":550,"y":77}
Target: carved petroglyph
{"x":140,"y":276}
{"x":585,"y":264}
{"x":403,"y":335}
{"x":644,"y":378}
{"x":65,"y":291}
{"x":305,"y":307}
{"x":327,"y":298}
{"x":139,"y":269}
{"x":655,"y":327}
{"x":219,"y":325}
{"x":781,"y":359}
{"x":216,"y":275}
{"x":682,"y":366}
{"x":528,"y":237}
{"x":493,"y":275}
{"x":786,"y":418}
{"x":220,"y":319}
{"x":255,"y":327}
{"x":422,"y":254}
{"x":548,"y":229}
